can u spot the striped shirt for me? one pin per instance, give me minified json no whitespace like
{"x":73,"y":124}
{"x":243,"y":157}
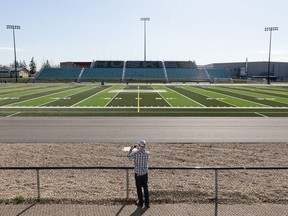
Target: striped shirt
{"x":140,"y":161}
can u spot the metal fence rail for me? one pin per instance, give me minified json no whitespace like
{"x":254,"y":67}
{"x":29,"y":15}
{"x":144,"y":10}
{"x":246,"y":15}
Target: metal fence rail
{"x":167,"y":184}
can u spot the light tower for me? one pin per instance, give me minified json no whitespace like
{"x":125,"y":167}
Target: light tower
{"x":13,"y":27}
{"x":270,"y":29}
{"x":144,"y":19}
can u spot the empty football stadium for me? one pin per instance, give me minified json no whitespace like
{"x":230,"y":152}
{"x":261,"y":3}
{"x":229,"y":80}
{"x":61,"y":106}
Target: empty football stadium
{"x":95,"y":96}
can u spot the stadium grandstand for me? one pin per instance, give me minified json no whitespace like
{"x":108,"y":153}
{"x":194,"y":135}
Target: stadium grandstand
{"x":147,"y":71}
{"x":133,"y":71}
{"x":59,"y":73}
{"x":103,"y":70}
{"x":185,"y":70}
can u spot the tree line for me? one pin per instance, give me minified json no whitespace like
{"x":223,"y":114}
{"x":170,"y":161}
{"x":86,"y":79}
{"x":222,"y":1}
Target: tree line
{"x":32,"y":65}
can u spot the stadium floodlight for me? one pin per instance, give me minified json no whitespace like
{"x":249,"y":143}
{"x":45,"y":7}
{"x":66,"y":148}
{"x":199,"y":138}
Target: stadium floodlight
{"x":13,"y":27}
{"x":270,"y":29}
{"x":145,"y":19}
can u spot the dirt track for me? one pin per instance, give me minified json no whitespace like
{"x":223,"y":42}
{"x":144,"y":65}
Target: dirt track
{"x":165,"y":186}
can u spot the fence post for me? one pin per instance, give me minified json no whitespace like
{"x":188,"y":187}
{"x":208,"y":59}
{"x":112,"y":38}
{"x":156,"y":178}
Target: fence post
{"x":38,"y":184}
{"x":216,"y":192}
{"x":127,"y":184}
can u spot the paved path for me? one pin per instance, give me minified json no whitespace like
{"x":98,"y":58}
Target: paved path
{"x":153,"y":129}
{"x":131,"y":210}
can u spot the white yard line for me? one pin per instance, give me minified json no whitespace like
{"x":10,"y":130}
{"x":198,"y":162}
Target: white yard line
{"x":13,"y":114}
{"x":164,"y":98}
{"x":62,"y":97}
{"x":237,"y":98}
{"x":90,"y":97}
{"x":264,"y":105}
{"x":186,"y":97}
{"x":35,"y":98}
{"x":261,"y":115}
{"x":111,"y":100}
{"x":203,"y":94}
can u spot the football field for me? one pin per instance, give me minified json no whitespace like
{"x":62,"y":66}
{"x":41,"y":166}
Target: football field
{"x":143,"y":100}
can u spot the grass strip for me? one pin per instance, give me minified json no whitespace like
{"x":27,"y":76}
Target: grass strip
{"x":27,"y":96}
{"x":73,"y":99}
{"x":195,"y":112}
{"x":199,"y":97}
{"x":38,"y":101}
{"x":258,"y":98}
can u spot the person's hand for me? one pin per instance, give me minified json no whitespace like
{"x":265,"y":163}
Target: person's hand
{"x":132,"y":147}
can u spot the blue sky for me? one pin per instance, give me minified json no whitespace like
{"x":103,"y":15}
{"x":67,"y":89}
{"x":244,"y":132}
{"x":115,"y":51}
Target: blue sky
{"x":207,"y":31}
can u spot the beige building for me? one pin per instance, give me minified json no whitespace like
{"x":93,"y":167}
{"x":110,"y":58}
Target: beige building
{"x":24,"y":73}
{"x":10,"y":73}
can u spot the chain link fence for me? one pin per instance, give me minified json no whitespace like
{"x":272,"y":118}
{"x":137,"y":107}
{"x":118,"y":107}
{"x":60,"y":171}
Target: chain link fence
{"x":216,"y":188}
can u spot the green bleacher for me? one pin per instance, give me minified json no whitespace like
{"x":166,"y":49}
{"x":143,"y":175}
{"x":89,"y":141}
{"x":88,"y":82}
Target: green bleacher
{"x":183,"y":71}
{"x":58,"y":73}
{"x":136,"y":71}
{"x":102,"y":73}
{"x":144,"y":71}
{"x":219,"y":73}
{"x":186,"y":74}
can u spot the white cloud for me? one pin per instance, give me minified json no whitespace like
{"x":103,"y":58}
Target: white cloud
{"x":281,"y":59}
{"x":3,"y":49}
{"x":10,"y":49}
{"x":280,"y":52}
{"x":274,"y":52}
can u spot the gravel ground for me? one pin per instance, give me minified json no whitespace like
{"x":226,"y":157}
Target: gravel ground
{"x":166,"y":186}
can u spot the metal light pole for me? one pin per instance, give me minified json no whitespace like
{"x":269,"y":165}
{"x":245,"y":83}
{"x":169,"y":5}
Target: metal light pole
{"x":13,"y":27}
{"x":145,"y":19}
{"x":270,"y":29}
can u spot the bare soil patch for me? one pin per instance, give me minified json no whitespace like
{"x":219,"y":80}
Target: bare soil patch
{"x":106,"y":186}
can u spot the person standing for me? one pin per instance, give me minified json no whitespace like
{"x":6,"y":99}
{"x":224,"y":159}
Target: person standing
{"x":140,"y":157}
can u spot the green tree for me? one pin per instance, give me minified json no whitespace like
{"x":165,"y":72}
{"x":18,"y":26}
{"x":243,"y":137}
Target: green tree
{"x":32,"y":66}
{"x":12,"y":65}
{"x":23,"y":64}
{"x":46,"y":64}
